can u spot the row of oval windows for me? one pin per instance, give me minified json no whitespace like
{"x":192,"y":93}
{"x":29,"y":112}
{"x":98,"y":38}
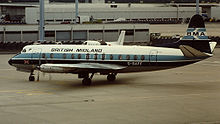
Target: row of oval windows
{"x":128,"y":57}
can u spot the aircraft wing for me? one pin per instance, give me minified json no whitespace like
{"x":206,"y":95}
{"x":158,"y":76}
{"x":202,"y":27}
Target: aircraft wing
{"x":56,"y":68}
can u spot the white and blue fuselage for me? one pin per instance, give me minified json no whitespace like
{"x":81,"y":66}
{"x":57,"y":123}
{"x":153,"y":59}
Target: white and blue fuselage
{"x":131,"y":58}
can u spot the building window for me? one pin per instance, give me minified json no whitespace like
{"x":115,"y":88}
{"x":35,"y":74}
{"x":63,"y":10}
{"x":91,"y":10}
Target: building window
{"x":113,"y":6}
{"x":96,"y":56}
{"x":129,"y":32}
{"x":111,"y":57}
{"x":142,"y":57}
{"x":135,"y":57}
{"x":50,"y":34}
{"x":87,"y":56}
{"x":103,"y":56}
{"x":128,"y":57}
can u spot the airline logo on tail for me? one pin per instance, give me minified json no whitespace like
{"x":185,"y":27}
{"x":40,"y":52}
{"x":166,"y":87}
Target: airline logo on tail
{"x":195,"y":34}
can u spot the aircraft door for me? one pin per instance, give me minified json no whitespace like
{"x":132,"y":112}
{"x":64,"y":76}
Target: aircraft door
{"x":153,"y":57}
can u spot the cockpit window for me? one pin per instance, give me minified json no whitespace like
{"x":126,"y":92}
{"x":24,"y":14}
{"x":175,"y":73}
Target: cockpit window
{"x":24,"y":50}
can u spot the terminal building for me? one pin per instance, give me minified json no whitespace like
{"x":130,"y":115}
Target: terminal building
{"x":76,"y":33}
{"x":60,"y":15}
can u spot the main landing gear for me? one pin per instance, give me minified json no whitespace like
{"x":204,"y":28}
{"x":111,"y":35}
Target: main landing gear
{"x":111,"y":77}
{"x":87,"y":81}
{"x":31,"y":77}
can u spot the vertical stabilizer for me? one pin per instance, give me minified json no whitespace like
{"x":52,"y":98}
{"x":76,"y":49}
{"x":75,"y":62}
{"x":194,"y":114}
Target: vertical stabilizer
{"x":121,"y":38}
{"x":196,"y":29}
{"x":196,"y":35}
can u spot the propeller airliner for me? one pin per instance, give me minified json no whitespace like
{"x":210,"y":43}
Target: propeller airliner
{"x":86,"y":60}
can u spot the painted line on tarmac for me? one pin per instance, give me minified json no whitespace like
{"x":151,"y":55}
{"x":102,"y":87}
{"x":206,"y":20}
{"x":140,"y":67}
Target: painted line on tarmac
{"x":6,"y":69}
{"x":28,"y":92}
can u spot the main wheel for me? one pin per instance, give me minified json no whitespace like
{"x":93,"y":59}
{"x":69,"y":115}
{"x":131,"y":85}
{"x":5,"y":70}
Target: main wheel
{"x":87,"y":81}
{"x":31,"y":78}
{"x":111,"y":77}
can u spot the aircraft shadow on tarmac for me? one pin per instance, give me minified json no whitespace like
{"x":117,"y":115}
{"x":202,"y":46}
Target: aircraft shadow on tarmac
{"x":76,"y":84}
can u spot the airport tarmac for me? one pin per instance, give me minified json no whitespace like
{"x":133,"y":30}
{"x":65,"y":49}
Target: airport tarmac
{"x":185,"y":95}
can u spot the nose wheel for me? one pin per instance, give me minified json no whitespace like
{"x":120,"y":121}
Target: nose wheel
{"x":31,"y":77}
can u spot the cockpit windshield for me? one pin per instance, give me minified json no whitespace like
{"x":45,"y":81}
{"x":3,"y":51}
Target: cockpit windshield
{"x":23,"y":51}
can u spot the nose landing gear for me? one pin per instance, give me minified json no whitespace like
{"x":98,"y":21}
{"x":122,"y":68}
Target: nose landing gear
{"x":31,"y":77}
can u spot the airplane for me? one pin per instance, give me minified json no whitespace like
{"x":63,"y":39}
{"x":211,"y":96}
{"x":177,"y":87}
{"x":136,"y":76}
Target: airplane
{"x":86,"y":60}
{"x":120,"y":41}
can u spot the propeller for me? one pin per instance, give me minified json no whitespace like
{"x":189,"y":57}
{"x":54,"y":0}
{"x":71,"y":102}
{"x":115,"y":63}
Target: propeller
{"x":38,"y":75}
{"x":38,"y":68}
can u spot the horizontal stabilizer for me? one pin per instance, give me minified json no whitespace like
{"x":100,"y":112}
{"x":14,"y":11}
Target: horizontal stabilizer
{"x":192,"y":53}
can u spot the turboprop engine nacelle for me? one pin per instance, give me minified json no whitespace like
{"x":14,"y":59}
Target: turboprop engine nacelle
{"x":52,"y":69}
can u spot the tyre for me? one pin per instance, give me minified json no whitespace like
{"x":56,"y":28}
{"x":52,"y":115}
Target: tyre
{"x":31,"y":78}
{"x":87,"y":81}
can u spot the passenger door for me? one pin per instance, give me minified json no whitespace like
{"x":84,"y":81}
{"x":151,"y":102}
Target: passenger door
{"x":153,"y":57}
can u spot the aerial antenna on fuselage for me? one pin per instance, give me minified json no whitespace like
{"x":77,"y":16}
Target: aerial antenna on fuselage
{"x":41,"y":21}
{"x":76,"y":11}
{"x":197,"y":7}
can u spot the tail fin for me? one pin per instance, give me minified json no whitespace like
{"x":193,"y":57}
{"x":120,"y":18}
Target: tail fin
{"x":121,"y":38}
{"x":196,"y":36}
{"x":196,"y":29}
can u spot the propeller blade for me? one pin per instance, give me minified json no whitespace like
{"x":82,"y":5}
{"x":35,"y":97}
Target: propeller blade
{"x":38,"y":75}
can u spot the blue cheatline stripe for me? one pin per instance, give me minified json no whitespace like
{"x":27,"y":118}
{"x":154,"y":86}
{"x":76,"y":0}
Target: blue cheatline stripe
{"x":188,"y":37}
{"x":190,"y":29}
{"x":198,"y":29}
{"x":201,"y":30}
{"x":202,"y":37}
{"x":59,"y":56}
{"x":195,"y":38}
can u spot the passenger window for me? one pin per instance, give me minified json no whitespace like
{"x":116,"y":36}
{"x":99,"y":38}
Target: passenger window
{"x":142,"y":57}
{"x":64,"y":56}
{"x":111,"y":57}
{"x":87,"y":56}
{"x":103,"y":56}
{"x":79,"y":56}
{"x":135,"y":57}
{"x":43,"y":55}
{"x":51,"y":55}
{"x":96,"y":56}
{"x":72,"y":56}
{"x":128,"y":57}
{"x":120,"y":57}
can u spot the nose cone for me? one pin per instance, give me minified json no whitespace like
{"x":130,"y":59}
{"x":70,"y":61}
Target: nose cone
{"x":10,"y":62}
